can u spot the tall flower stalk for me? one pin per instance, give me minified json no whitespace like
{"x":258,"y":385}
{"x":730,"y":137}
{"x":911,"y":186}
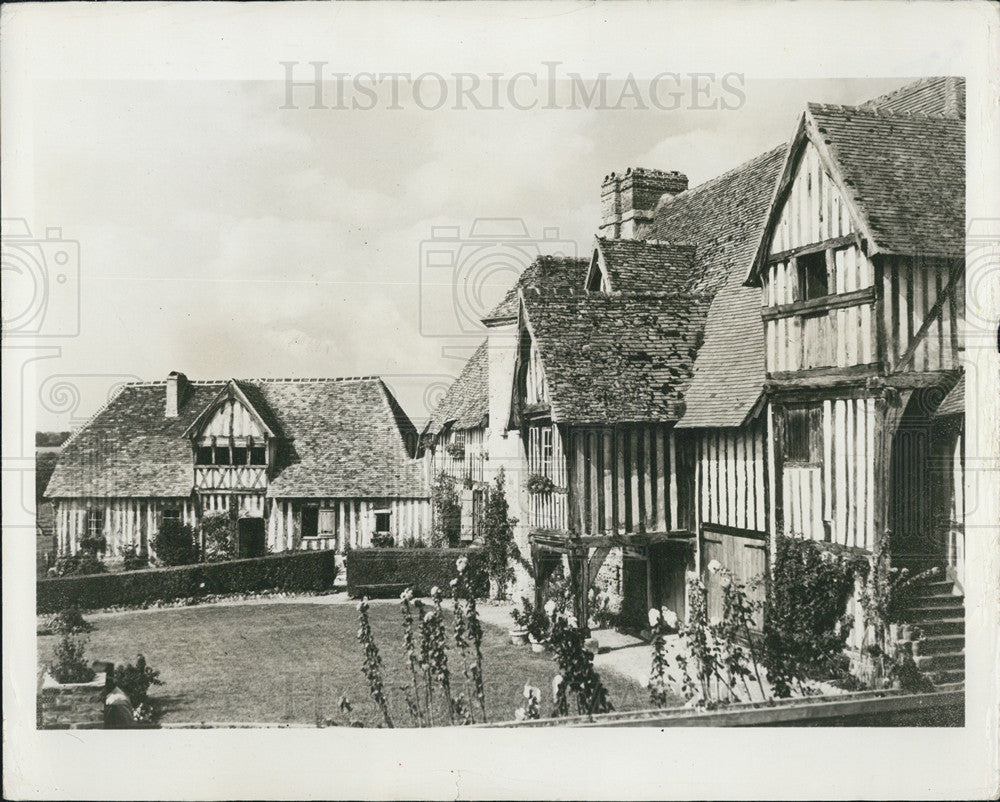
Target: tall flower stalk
{"x":409,"y":647}
{"x":372,"y":666}
{"x":465,"y":607}
{"x":436,"y":650}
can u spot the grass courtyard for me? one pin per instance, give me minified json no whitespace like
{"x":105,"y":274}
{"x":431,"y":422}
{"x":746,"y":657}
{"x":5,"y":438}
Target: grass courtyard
{"x":293,"y":662}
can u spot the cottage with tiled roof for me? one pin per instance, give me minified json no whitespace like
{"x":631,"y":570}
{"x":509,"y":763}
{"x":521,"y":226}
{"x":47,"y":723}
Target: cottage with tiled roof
{"x":300,"y":463}
{"x":708,"y":382}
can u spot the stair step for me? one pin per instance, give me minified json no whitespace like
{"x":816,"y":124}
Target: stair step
{"x":939,"y":644}
{"x":923,"y":613}
{"x":949,"y":675}
{"x":940,"y":662}
{"x":939,"y":600}
{"x":941,"y":586}
{"x":942,"y":626}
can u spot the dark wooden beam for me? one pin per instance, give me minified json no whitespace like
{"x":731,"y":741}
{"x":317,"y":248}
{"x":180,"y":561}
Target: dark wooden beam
{"x":833,"y":243}
{"x":824,"y":304}
{"x":824,"y":376}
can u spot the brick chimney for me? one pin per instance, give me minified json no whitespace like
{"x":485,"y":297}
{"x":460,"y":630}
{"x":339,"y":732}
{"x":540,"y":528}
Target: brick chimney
{"x":628,"y":201}
{"x":177,"y":384}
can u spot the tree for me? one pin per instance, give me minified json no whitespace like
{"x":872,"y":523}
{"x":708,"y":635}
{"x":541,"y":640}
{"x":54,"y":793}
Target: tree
{"x":447,"y":511}
{"x":498,"y":536}
{"x":45,"y":463}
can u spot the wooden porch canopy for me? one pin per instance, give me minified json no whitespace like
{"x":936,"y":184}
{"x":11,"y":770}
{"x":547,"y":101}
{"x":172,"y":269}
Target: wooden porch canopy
{"x":586,"y":553}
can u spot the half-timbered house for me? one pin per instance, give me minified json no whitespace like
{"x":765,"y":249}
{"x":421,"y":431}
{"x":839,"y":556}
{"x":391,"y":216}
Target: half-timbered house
{"x":299,"y":463}
{"x":454,"y":439}
{"x":818,"y":290}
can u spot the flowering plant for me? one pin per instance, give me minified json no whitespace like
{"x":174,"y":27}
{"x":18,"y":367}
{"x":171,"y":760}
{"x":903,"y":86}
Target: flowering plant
{"x":530,"y":710}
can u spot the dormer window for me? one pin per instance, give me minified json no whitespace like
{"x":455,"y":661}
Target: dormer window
{"x":812,"y":276}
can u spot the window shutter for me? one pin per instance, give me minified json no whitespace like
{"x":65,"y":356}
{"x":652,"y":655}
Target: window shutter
{"x":327,"y":522}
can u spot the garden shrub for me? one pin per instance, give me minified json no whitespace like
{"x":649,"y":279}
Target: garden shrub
{"x":68,"y":664}
{"x":804,"y":624}
{"x":308,"y":571}
{"x":447,"y":511}
{"x":498,"y":538}
{"x":382,"y":540}
{"x":219,"y":532}
{"x":136,"y":680}
{"x":80,"y":564}
{"x":95,"y":544}
{"x":174,"y":543}
{"x":421,"y":569}
{"x":133,"y":559}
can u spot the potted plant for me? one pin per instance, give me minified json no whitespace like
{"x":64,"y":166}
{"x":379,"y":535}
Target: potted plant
{"x":538,"y":484}
{"x":538,"y":629}
{"x":522,"y":617}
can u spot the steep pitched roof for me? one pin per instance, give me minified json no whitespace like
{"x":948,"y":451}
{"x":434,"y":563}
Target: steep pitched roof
{"x":937,"y":95}
{"x":729,"y":372}
{"x":467,"y":403}
{"x":646,"y":266}
{"x":340,"y":438}
{"x":954,"y":402}
{"x":556,"y":273}
{"x":615,"y":358}
{"x":348,"y":439}
{"x":904,"y":173}
{"x":721,"y":218}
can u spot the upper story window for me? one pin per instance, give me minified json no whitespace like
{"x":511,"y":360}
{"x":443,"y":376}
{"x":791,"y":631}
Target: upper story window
{"x":813,"y":277}
{"x":258,"y":455}
{"x":804,"y":434}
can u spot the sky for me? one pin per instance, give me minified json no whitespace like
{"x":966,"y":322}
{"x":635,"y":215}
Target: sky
{"x":222,"y":235}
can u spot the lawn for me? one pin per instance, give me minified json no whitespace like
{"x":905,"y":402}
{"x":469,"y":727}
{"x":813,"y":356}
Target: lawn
{"x":293,"y":662}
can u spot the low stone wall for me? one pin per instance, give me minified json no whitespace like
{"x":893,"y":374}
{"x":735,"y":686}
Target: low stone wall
{"x":72,"y":706}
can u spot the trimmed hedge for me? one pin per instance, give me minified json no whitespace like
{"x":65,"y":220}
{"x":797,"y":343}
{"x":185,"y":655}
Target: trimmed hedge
{"x":420,"y":568}
{"x":290,"y":572}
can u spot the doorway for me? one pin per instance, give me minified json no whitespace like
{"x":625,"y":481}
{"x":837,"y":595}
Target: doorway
{"x":250,"y":538}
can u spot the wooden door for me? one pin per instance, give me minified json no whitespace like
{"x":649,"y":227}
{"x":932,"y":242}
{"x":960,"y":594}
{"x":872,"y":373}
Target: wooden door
{"x":635,"y":612}
{"x":746,"y":558}
{"x":668,"y":567}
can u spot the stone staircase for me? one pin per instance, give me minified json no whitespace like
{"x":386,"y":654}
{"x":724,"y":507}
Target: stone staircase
{"x":938,"y":632}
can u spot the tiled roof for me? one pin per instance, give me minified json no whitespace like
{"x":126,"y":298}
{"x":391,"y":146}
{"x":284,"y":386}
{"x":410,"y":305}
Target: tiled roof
{"x":905,"y":174}
{"x":721,"y":218}
{"x":467,"y":401}
{"x":642,"y":266}
{"x":611,"y":358}
{"x":729,"y":372}
{"x":342,"y":438}
{"x":938,"y":95}
{"x":954,"y":402}
{"x":554,"y":272}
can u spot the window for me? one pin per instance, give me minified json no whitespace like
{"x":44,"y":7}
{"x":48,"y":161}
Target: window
{"x":803,"y":434}
{"x":382,"y":519}
{"x":310,"y":521}
{"x":222,"y":455}
{"x":239,"y":455}
{"x":95,"y":523}
{"x":203,"y":455}
{"x":547,"y":452}
{"x":258,"y":455}
{"x":812,"y":275}
{"x":172,"y":515}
